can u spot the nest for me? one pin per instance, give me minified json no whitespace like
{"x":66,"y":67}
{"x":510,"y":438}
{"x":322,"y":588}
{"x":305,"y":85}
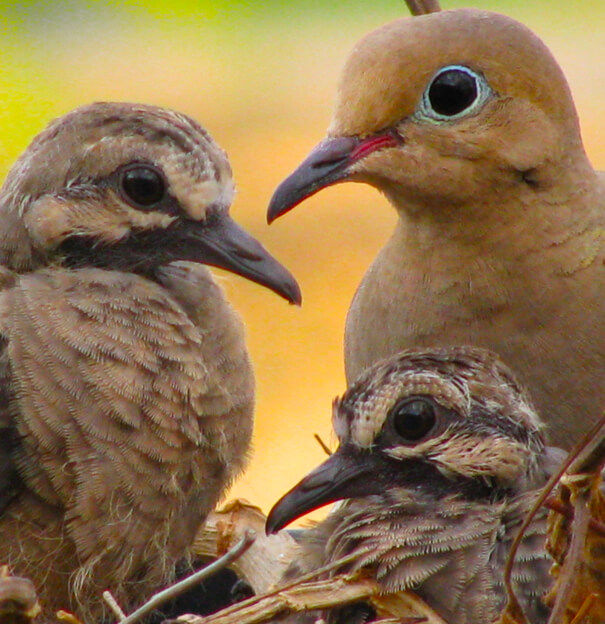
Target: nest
{"x":234,"y":537}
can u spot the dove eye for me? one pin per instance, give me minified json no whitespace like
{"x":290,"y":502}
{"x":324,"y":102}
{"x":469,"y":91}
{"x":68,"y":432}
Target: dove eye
{"x":413,"y":418}
{"x":142,"y":185}
{"x":454,"y":91}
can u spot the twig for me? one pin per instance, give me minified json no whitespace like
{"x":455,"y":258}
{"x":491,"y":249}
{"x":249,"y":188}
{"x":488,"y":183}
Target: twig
{"x":422,"y":7}
{"x":66,"y":616}
{"x":592,"y":457}
{"x":580,"y":481}
{"x":584,"y":609}
{"x":178,"y":588}
{"x":251,"y":602}
{"x":567,"y":510}
{"x":512,"y":604}
{"x":264,"y":564}
{"x":301,"y":594}
{"x":336,"y":591}
{"x":573,"y":558}
{"x":406,"y":607}
{"x":113,"y":605}
{"x":513,"y":607}
{"x":324,"y":446}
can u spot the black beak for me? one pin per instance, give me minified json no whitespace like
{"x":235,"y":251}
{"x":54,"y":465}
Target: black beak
{"x":224,"y":244}
{"x":326,"y":165}
{"x":348,"y":473}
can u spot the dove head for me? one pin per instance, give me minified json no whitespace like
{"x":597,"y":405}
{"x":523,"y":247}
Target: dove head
{"x":432,"y":422}
{"x":445,"y":109}
{"x":388,"y":75}
{"x":128,"y":187}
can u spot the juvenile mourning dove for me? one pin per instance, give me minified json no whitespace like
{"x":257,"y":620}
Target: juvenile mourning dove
{"x":465,"y":122}
{"x":441,"y":455}
{"x":126,"y":389}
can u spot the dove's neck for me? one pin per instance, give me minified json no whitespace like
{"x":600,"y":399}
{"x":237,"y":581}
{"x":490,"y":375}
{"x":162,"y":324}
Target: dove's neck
{"x":507,"y":223}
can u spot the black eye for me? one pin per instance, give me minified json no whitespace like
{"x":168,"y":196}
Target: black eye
{"x":453,"y":91}
{"x":142,"y":185}
{"x":413,"y":418}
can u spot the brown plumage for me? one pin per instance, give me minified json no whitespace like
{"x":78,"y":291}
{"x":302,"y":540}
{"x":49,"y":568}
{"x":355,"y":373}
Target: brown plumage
{"x":465,"y":121}
{"x":127,"y":392}
{"x":440,"y":457}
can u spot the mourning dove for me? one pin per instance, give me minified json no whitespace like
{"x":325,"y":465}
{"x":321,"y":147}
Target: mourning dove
{"x":465,"y":122}
{"x":441,"y":455}
{"x":126,"y":392}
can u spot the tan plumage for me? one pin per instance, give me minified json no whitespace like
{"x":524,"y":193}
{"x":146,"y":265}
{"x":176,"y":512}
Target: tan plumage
{"x":499,"y":241}
{"x":440,"y":457}
{"x":127,"y":392}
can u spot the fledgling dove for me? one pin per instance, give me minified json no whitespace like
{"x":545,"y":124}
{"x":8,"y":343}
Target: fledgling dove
{"x":441,"y":455}
{"x":126,"y":388}
{"x":464,"y":120}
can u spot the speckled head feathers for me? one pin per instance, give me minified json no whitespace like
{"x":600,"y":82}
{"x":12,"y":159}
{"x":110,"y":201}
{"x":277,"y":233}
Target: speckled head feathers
{"x":472,"y":384}
{"x":93,"y":140}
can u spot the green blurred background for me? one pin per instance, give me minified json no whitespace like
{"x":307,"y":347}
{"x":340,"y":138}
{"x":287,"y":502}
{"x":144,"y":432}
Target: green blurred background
{"x":261,"y":77}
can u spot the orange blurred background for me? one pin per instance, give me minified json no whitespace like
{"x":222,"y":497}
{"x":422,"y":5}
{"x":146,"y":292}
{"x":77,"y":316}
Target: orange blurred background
{"x":261,"y":77}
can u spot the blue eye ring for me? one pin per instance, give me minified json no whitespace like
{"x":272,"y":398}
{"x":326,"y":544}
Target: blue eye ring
{"x":454,"y":92}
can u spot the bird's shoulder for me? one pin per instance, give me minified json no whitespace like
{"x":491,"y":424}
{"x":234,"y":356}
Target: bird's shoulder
{"x":98,"y":344}
{"x":106,"y":371}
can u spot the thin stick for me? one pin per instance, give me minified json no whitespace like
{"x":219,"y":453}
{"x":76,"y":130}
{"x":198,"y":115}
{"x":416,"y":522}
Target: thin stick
{"x":567,"y":510}
{"x":250,"y":602}
{"x":324,"y":446}
{"x":512,"y":604}
{"x":593,"y":455}
{"x":584,"y":470}
{"x":584,"y":609}
{"x":113,"y":605}
{"x":573,"y":558}
{"x":194,"y":579}
{"x":335,"y":591}
{"x":422,"y":7}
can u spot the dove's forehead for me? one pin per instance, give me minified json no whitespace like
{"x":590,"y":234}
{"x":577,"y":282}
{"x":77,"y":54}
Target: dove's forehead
{"x":361,"y":413}
{"x":104,"y":119}
{"x":471,"y":382}
{"x":119,"y":130}
{"x":94,"y":141}
{"x":387,"y":71}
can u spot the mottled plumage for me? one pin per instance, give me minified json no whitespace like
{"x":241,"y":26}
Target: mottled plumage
{"x":441,"y":455}
{"x":464,"y":120}
{"x":126,"y":391}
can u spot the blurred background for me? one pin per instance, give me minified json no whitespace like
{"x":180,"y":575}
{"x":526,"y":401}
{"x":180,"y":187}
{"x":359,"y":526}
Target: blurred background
{"x":260,"y":76}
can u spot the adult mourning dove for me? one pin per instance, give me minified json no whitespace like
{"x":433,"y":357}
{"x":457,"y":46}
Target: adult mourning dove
{"x":465,"y":122}
{"x":441,"y":455}
{"x":126,"y":392}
